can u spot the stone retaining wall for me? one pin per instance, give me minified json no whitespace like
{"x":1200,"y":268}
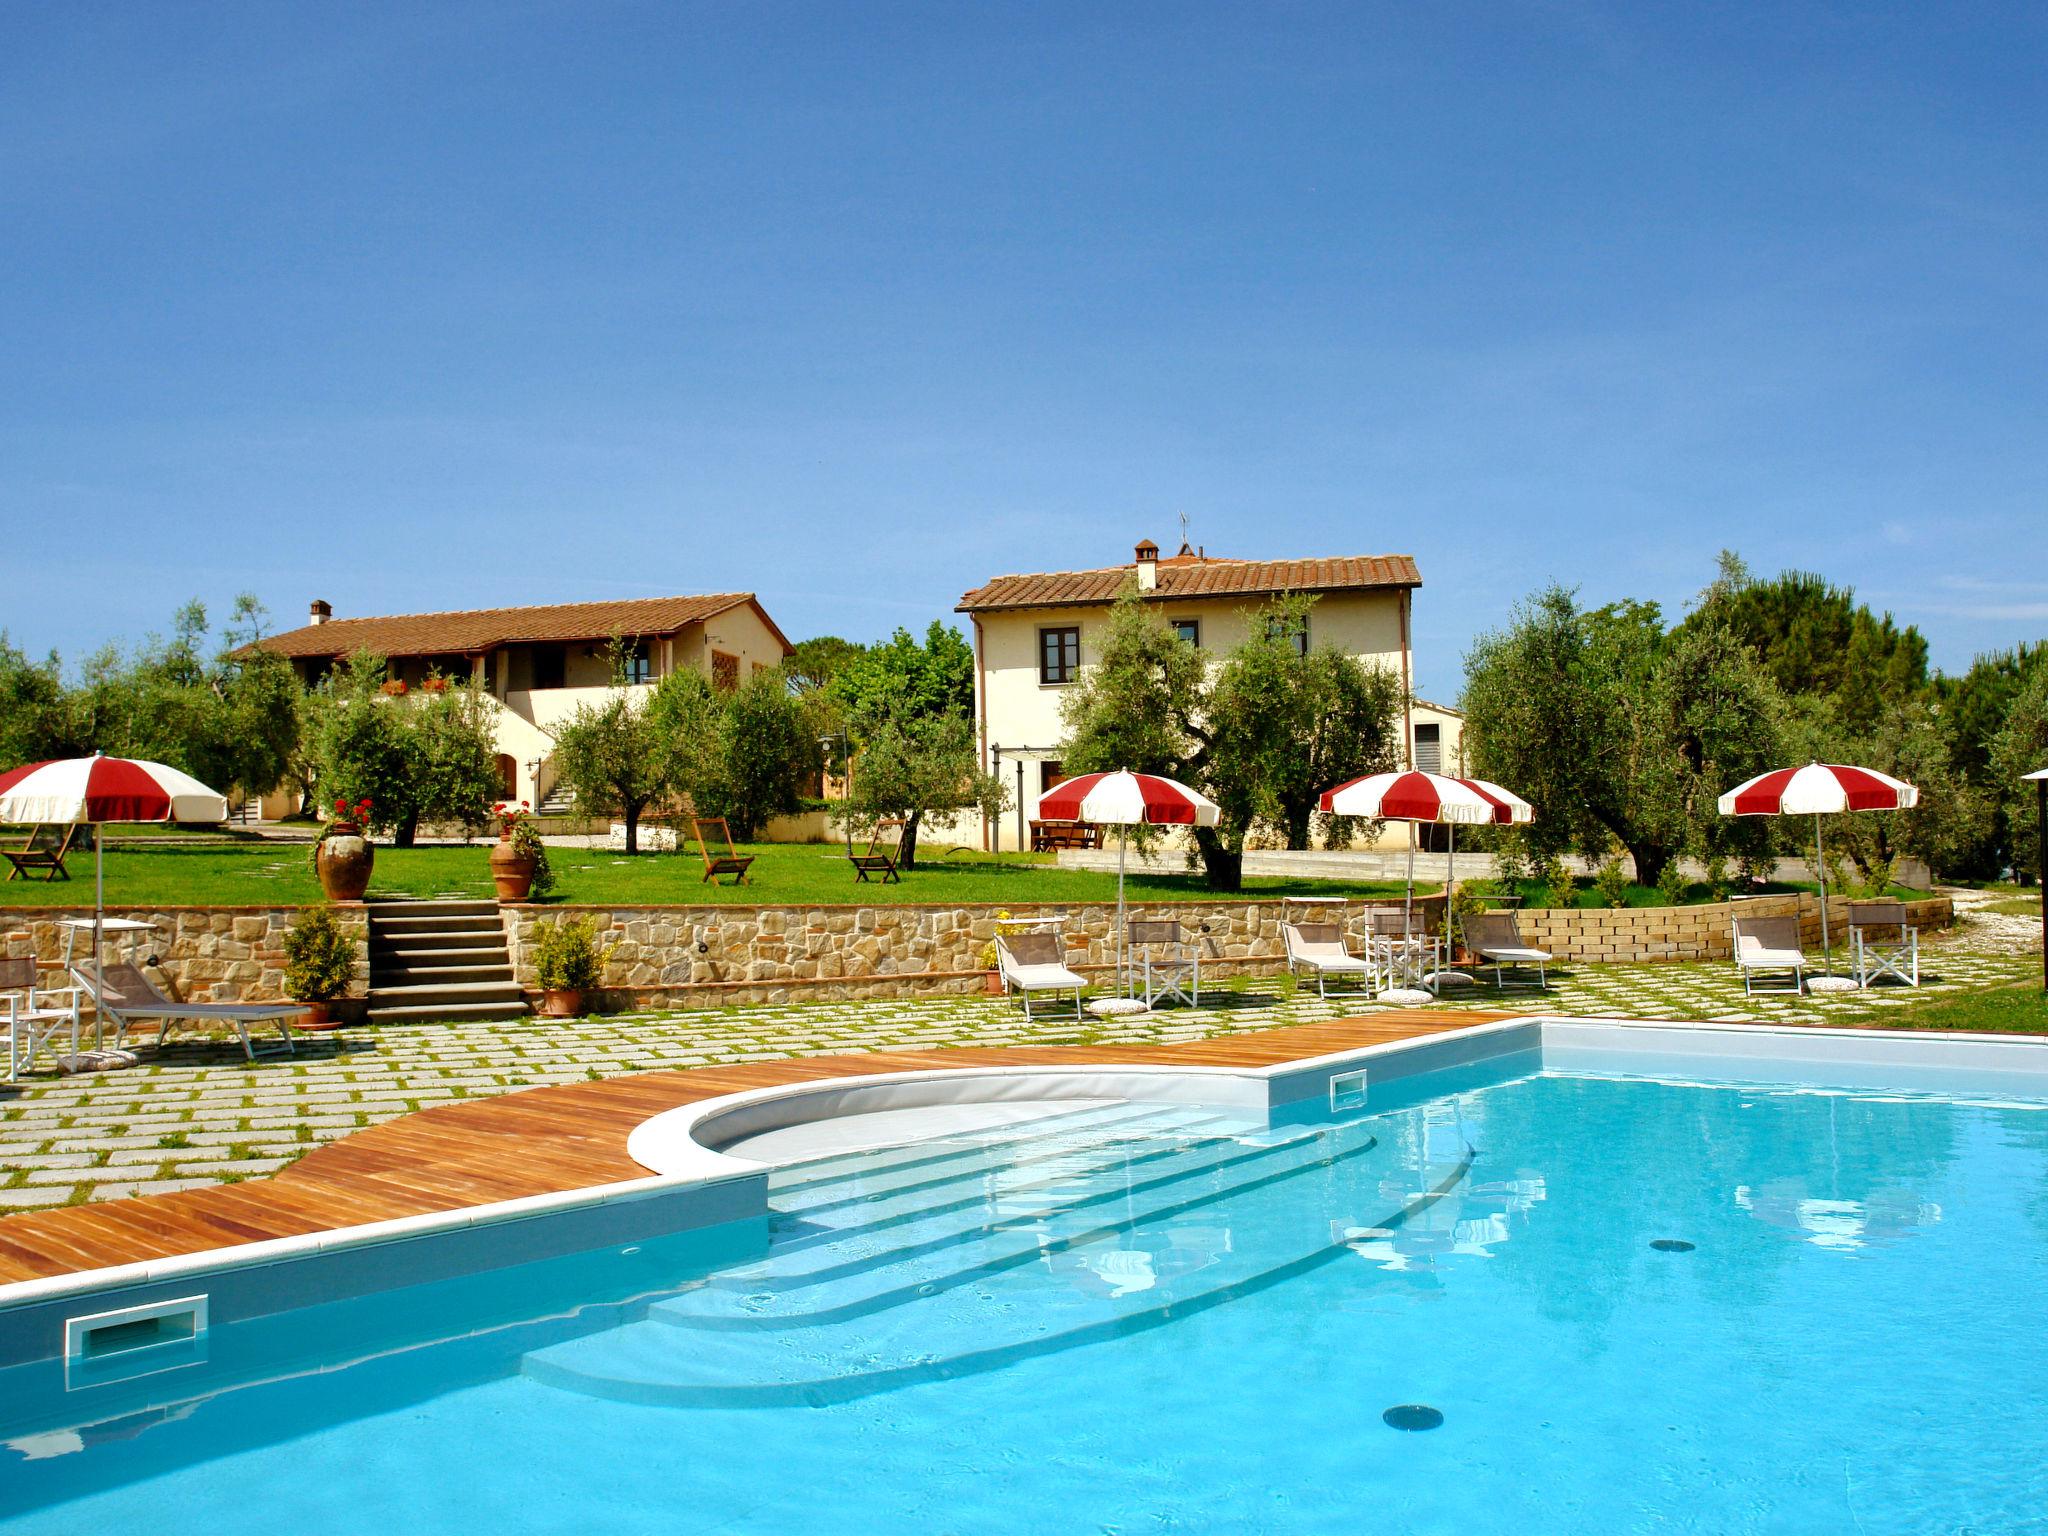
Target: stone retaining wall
{"x":1693,"y":933}
{"x":710,"y":956}
{"x":212,"y":954}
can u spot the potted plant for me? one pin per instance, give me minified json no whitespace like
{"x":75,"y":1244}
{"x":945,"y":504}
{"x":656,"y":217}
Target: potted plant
{"x":343,"y":854}
{"x":991,"y":965}
{"x":1467,"y":901}
{"x":519,"y":862}
{"x":319,"y":963}
{"x":395,"y":688}
{"x":567,"y":963}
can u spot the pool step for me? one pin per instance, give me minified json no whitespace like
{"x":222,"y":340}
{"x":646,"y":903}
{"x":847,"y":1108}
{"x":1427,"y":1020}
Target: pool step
{"x":1131,"y":1272}
{"x":815,"y":1193}
{"x":896,"y":1257}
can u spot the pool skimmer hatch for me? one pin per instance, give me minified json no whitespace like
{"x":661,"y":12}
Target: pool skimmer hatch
{"x":1412,"y":1416}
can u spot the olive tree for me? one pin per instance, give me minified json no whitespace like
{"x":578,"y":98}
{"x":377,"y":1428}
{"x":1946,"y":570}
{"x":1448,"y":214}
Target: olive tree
{"x":423,"y":757}
{"x":1619,"y":731}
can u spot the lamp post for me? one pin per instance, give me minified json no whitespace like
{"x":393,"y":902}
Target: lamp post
{"x":826,"y":743}
{"x":2039,"y":778}
{"x":994,"y":834}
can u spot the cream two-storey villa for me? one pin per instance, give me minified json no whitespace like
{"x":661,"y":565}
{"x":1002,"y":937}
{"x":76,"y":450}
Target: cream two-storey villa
{"x":1033,"y":634}
{"x":541,"y":662}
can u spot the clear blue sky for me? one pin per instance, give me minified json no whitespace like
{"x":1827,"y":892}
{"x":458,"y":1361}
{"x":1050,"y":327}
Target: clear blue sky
{"x":435,"y":305}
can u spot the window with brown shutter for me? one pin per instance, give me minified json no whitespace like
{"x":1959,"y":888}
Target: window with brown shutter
{"x":725,"y":672}
{"x":1059,"y":654}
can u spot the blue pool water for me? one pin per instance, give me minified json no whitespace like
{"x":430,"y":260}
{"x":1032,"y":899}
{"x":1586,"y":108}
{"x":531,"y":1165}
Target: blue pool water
{"x":1147,"y":1319}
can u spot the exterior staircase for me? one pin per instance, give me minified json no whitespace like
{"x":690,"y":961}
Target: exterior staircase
{"x":432,"y":960}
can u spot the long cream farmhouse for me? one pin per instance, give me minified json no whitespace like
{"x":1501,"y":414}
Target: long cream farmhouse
{"x":541,"y":662}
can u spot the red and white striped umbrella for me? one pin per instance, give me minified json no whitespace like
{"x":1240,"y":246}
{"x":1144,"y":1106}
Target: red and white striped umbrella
{"x":101,"y":789}
{"x":1418,"y":796}
{"x":1126,"y":799}
{"x":1819,"y":789}
{"x":1434,"y":797}
{"x":105,"y":789}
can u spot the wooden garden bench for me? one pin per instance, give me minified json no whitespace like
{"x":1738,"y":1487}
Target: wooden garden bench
{"x":43,"y":849}
{"x":880,"y":859}
{"x":731,"y":862}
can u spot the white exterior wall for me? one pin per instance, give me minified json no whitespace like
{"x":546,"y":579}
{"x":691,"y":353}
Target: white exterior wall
{"x":1020,"y":714}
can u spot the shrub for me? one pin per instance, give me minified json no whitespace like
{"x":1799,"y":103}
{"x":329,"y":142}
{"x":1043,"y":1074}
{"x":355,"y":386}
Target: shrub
{"x":1467,"y":901}
{"x":1672,"y":885}
{"x":319,"y":956}
{"x":990,"y":960}
{"x":1556,"y":886}
{"x":1716,"y":871}
{"x":1610,"y":883}
{"x":1877,"y":878}
{"x":566,"y":955}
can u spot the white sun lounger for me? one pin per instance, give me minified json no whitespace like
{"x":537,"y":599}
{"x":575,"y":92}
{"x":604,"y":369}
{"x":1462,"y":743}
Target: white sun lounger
{"x":125,"y":996}
{"x":1032,"y":962}
{"x":1496,"y":937}
{"x":1319,"y":949}
{"x":1769,"y":944}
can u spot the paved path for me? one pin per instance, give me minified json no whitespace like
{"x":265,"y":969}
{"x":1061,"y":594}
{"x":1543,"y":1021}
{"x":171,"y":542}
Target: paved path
{"x":197,"y":1114}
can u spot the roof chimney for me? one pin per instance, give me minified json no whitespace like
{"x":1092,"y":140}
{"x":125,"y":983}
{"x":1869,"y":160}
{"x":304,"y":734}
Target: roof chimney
{"x":322,"y":610}
{"x":1148,"y":565}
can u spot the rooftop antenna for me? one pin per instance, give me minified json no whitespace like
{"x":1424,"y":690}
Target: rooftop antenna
{"x":1185,"y":546}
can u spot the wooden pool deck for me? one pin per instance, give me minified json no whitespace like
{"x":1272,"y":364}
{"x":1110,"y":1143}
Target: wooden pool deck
{"x":541,"y":1141}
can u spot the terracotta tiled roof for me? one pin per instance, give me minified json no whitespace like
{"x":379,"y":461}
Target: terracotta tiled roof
{"x":1186,"y":576}
{"x":479,"y":629}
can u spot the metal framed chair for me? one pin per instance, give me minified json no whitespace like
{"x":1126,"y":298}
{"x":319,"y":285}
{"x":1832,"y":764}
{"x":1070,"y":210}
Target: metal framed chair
{"x":33,"y":1016}
{"x":1401,"y":948}
{"x":1883,"y":943}
{"x":1164,"y":961}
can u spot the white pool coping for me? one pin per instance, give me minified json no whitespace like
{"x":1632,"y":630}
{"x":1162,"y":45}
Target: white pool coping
{"x":674,"y":1143}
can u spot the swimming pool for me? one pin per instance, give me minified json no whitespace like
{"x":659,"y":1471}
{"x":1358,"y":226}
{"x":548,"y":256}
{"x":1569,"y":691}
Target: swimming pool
{"x":1642,"y":1283}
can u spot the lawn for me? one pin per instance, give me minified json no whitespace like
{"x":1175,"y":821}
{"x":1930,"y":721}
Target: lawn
{"x":281,"y":874}
{"x":1997,"y":1010}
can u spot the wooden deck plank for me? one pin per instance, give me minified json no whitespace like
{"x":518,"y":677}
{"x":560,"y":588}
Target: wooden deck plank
{"x":566,"y":1137}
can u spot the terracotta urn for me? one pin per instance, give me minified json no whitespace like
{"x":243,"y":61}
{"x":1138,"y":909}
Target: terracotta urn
{"x":562,"y":1002}
{"x":317,"y":1018}
{"x":512,"y":871}
{"x":992,"y":983}
{"x":343,"y":860}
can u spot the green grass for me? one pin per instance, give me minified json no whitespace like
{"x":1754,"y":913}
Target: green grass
{"x":2022,"y":1008}
{"x":2016,"y":906}
{"x":281,"y":874}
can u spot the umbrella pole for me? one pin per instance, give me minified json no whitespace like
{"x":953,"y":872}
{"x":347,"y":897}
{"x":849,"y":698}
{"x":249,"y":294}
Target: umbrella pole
{"x":1450,"y":885}
{"x":99,"y":909}
{"x":1408,"y":902}
{"x":1123,"y":842}
{"x":1820,"y":868}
